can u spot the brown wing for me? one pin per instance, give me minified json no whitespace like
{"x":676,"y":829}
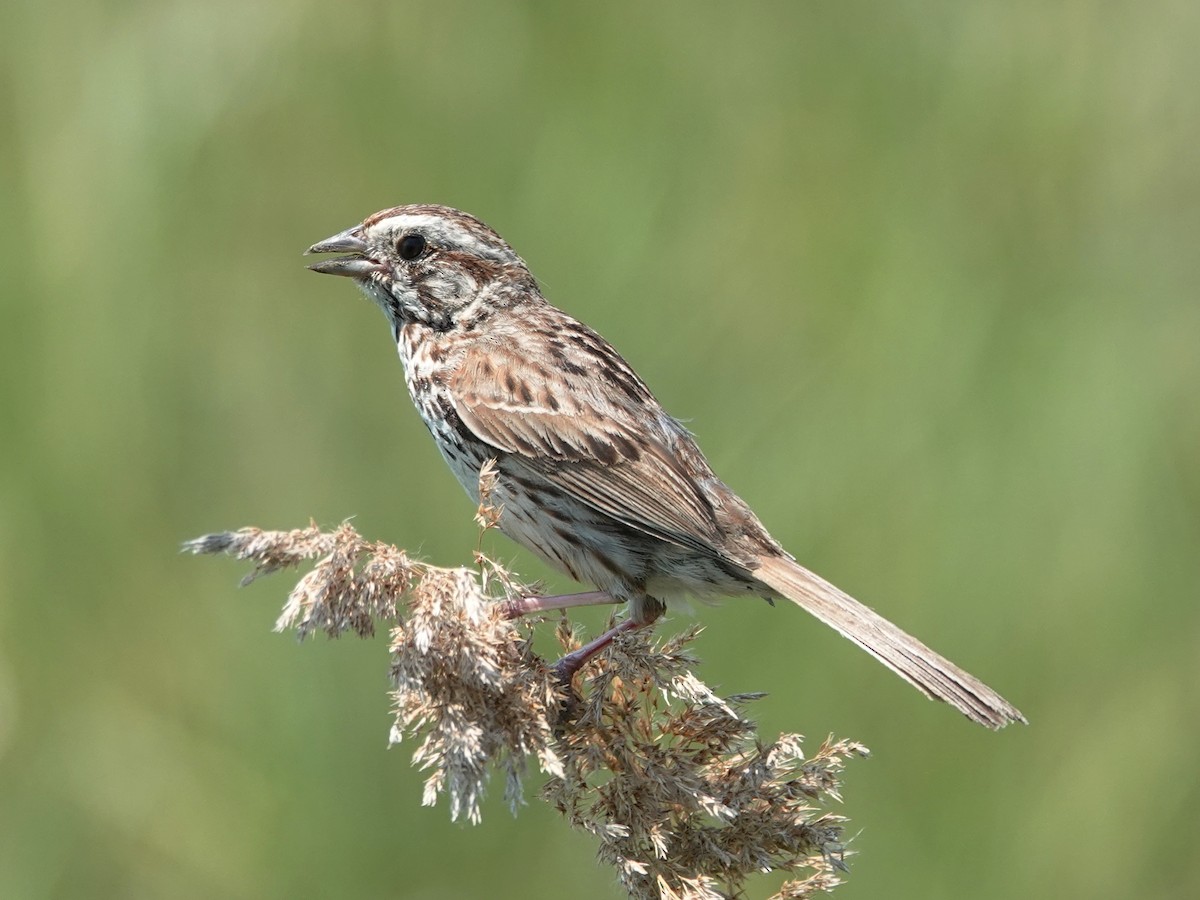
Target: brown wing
{"x":592,"y":429}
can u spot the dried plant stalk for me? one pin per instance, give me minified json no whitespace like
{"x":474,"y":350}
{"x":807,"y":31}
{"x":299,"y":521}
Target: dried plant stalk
{"x":670,"y":779}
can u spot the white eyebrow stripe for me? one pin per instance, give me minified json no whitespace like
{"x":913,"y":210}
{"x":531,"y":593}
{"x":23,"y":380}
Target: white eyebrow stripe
{"x":443,"y":230}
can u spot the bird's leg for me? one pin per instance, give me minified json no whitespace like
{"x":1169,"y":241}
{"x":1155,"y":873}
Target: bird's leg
{"x":566,"y":667}
{"x":523,"y":606}
{"x":642,"y":615}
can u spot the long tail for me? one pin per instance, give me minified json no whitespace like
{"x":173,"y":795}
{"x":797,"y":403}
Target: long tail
{"x":931,"y":674}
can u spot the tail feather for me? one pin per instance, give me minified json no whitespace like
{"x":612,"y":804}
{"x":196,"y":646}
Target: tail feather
{"x":932,"y":674}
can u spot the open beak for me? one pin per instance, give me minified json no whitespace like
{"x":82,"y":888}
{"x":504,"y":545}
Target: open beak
{"x":355,"y":265}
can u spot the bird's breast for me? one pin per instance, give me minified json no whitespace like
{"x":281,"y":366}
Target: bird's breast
{"x":425,"y":373}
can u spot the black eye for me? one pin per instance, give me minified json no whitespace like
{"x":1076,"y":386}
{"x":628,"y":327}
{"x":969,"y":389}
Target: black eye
{"x":411,"y":246}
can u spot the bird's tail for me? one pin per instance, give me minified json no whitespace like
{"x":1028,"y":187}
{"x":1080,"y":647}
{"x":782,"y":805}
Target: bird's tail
{"x":931,"y":674}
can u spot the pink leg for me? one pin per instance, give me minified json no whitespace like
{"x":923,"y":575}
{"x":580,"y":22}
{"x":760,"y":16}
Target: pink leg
{"x":566,"y":667}
{"x":514,"y":609}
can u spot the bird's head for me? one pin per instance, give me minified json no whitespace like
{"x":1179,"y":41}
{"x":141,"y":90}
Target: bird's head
{"x":429,"y":264}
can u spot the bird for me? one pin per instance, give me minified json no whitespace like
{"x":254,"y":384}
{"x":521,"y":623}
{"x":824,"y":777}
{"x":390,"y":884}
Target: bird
{"x":593,"y":475}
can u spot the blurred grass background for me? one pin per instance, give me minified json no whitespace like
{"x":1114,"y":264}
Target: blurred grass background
{"x":923,"y":276}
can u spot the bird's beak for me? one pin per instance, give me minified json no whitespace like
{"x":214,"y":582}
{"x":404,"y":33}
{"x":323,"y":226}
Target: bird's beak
{"x":356,"y":265}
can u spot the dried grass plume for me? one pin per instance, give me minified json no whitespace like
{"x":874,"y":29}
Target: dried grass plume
{"x":682,"y":796}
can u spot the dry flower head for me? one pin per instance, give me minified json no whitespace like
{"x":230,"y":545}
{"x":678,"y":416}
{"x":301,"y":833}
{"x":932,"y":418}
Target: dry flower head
{"x":673,"y":782}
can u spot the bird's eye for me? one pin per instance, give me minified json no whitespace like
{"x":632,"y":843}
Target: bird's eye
{"x":411,"y":246}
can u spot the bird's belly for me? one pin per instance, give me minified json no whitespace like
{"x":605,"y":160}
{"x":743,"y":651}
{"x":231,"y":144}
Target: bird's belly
{"x":571,"y":536}
{"x":594,"y":548}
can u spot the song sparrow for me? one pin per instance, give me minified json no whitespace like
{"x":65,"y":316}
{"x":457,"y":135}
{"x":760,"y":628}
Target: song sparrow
{"x":594,"y":477}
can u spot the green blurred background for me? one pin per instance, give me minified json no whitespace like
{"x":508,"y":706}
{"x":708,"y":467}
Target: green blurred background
{"x":922,"y":276}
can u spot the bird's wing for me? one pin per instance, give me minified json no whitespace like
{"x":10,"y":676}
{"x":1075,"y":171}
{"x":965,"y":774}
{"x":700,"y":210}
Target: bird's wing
{"x":594,"y":432}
